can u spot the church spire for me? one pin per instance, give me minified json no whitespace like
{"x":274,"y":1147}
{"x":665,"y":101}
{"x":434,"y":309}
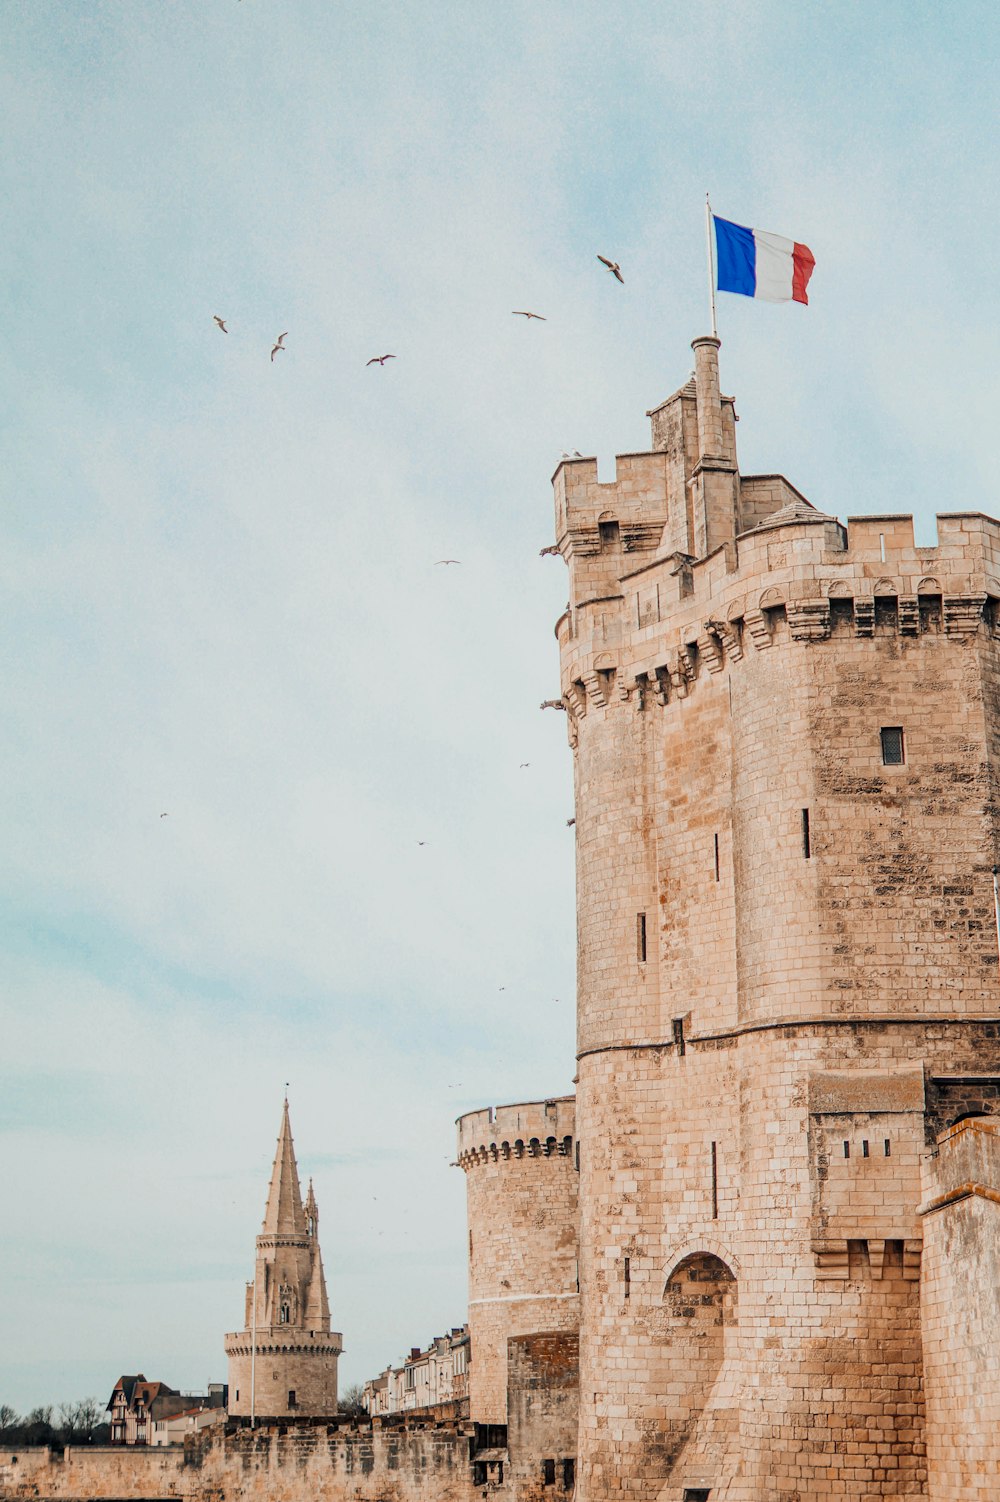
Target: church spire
{"x":283,"y":1216}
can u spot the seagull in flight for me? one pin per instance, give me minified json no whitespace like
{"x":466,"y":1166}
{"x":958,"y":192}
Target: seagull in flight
{"x":613,"y":267}
{"x":521,"y":313}
{"x":279,"y":345}
{"x":380,"y":359}
{"x":526,"y":764}
{"x":447,"y":560}
{"x":164,"y":816}
{"x":421,"y":842}
{"x":218,"y":320}
{"x":570,"y":823}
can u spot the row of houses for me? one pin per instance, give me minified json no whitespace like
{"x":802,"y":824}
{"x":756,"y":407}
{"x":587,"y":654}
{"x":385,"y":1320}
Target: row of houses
{"x":151,"y":1413}
{"x":439,"y":1374}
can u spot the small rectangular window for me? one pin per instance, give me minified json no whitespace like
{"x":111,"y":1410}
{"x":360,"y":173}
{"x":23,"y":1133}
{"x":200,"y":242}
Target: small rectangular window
{"x":892,"y":746}
{"x":679,"y":1034}
{"x":640,"y":937}
{"x":548,"y":1473}
{"x":847,"y":1149}
{"x":291,"y":1397}
{"x":628,"y":1277}
{"x":864,"y":1147}
{"x":697,"y":1494}
{"x":609,"y":534}
{"x":887,"y":1147}
{"x":569,"y":1472}
{"x":716,"y":857}
{"x":806,"y":843}
{"x":715,"y":1182}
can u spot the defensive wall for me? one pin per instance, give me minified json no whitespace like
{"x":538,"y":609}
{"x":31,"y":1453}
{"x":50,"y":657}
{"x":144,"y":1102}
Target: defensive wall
{"x":310,"y":1462}
{"x":960,"y":1291}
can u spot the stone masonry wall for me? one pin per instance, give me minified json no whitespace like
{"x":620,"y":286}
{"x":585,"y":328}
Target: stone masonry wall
{"x":542,"y":1414}
{"x":521,"y":1184}
{"x":307,"y":1464}
{"x":961,"y":1313}
{"x":299,"y":1363}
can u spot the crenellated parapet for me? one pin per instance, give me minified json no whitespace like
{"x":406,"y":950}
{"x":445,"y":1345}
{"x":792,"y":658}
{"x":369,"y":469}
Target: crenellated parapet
{"x":536,"y":1129}
{"x":275,"y":1343}
{"x":800,"y":577}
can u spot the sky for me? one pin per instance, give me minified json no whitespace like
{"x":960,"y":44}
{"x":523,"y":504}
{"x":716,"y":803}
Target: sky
{"x":264,"y":813}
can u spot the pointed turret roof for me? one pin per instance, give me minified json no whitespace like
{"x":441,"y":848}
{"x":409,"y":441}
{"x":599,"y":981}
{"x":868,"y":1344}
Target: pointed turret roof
{"x":317,"y":1304}
{"x":283,"y":1216}
{"x":797,"y":510}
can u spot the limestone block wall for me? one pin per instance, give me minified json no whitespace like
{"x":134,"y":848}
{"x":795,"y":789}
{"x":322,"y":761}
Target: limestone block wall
{"x":521,"y":1185}
{"x":304,"y":1464}
{"x":961,"y":1312}
{"x":543,"y":1374}
{"x":293,"y":1373}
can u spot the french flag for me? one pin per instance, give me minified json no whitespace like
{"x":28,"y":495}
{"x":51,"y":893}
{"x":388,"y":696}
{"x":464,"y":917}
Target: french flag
{"x":757,"y":264}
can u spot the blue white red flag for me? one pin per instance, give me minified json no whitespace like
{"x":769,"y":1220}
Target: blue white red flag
{"x":759,"y":264}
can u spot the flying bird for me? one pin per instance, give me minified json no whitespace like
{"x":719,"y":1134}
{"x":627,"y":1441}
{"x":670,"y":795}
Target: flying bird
{"x":218,"y":320}
{"x":279,"y":345}
{"x":163,"y":816}
{"x":421,"y":842}
{"x":447,"y":560}
{"x":526,"y":764}
{"x":520,"y":313}
{"x":613,"y":267}
{"x":570,"y":823}
{"x":380,"y":359}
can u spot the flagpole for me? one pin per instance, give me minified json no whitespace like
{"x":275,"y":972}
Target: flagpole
{"x":711,"y":265}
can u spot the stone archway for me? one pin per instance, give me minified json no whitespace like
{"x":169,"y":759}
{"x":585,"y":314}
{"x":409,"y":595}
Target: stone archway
{"x":699,"y":1315}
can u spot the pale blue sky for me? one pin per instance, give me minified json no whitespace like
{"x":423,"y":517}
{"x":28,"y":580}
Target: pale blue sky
{"x":220,"y":592}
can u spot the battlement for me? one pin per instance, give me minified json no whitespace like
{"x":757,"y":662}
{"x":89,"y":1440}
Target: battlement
{"x":532,"y":1129}
{"x":284,"y":1342}
{"x":799,"y":576}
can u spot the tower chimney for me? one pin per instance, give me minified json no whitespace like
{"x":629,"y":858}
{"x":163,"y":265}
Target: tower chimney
{"x":715,"y":481}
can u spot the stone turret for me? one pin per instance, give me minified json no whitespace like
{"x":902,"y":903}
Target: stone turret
{"x":520,"y":1174}
{"x":285,"y":1361}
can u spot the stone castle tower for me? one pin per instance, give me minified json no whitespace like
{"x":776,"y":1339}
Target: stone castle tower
{"x":786,"y":740}
{"x":521,"y":1188}
{"x":285,"y":1361}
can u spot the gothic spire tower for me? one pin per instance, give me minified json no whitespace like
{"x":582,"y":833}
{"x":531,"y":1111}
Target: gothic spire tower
{"x":285,"y":1361}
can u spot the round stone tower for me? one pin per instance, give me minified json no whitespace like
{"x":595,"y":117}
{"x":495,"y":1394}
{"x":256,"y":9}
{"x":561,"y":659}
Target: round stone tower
{"x":285,"y":1362}
{"x":786,"y":736}
{"x":521,"y":1183}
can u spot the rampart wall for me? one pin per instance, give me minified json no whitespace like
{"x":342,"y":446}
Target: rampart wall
{"x":961,"y":1313}
{"x":310,"y":1463}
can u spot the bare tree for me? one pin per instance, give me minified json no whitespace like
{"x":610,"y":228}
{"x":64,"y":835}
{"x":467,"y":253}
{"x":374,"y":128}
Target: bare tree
{"x":352,"y":1402}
